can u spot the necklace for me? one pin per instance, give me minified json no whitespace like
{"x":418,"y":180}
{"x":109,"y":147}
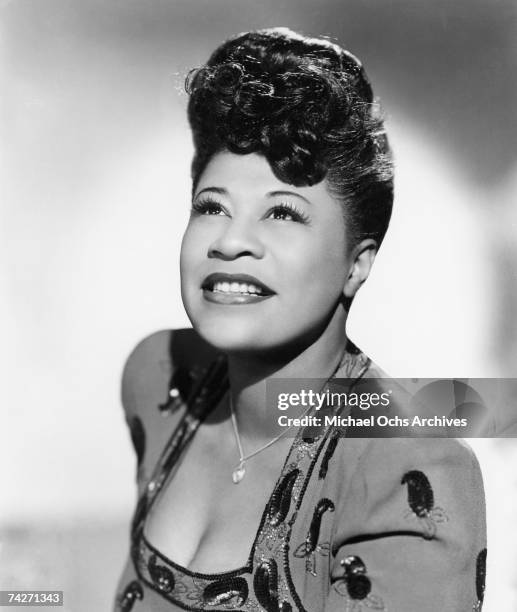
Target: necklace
{"x":240,"y":471}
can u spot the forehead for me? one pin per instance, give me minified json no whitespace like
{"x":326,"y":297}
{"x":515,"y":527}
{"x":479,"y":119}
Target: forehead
{"x":251,"y":175}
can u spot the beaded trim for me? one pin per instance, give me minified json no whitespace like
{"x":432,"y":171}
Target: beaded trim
{"x":265,"y":581}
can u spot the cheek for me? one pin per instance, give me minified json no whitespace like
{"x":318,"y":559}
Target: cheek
{"x":318,"y":269}
{"x":198,"y":237}
{"x":191,"y":247}
{"x":331,"y":258}
{"x":183,"y":258}
{"x":188,"y":257}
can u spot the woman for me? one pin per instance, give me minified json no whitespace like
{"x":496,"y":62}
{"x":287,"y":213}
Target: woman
{"x":292,"y":195}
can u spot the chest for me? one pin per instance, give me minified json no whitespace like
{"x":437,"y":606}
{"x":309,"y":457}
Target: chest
{"x":212,"y":544}
{"x":202,"y":520}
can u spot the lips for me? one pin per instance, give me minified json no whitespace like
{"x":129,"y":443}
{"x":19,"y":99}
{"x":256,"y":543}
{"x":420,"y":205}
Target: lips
{"x":225,"y":288}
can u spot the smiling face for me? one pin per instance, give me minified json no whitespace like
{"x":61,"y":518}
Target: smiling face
{"x":263,"y":263}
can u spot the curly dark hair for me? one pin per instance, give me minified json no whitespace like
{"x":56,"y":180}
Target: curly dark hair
{"x":307,"y":105}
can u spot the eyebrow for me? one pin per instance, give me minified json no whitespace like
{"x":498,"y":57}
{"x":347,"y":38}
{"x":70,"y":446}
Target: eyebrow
{"x":269,"y":194}
{"x":220,"y":190}
{"x":287,"y":193}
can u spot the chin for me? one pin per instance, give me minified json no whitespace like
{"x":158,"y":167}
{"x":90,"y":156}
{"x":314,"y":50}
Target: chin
{"x":229,"y":337}
{"x":249,"y":341}
{"x":232,"y":329}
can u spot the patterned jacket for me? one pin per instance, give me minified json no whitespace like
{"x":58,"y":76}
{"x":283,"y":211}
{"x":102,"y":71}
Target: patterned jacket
{"x":352,"y":525}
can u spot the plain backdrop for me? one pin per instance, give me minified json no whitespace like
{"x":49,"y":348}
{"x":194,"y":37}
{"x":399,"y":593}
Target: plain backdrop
{"x":94,"y":196}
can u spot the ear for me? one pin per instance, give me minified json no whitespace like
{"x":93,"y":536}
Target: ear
{"x":362,"y":258}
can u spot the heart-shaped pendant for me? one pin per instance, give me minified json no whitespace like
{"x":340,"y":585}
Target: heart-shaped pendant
{"x":238,"y":473}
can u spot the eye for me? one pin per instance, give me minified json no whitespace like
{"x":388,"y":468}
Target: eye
{"x":288,"y":212}
{"x":207,"y":206}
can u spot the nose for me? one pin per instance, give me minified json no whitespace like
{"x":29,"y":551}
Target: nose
{"x":238,"y":238}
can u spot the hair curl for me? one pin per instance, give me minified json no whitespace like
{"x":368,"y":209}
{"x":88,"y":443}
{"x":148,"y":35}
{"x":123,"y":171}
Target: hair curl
{"x":307,"y":105}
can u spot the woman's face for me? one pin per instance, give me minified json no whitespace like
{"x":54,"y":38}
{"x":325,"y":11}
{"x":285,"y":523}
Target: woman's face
{"x":263,"y":263}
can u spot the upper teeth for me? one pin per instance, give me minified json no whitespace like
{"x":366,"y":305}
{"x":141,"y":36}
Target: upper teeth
{"x":235,"y":287}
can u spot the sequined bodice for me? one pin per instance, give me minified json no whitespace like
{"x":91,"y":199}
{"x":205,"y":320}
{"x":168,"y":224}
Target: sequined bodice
{"x":322,"y":543}
{"x":231,"y":589}
{"x":242,"y":588}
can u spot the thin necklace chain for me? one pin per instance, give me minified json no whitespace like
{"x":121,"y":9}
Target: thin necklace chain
{"x":240,"y":471}
{"x":243,"y":457}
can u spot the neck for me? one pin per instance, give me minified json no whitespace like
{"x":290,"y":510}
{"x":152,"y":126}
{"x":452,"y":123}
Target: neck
{"x":248,"y":375}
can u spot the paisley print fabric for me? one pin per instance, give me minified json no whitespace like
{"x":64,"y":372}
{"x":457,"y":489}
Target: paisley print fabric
{"x":351,"y":525}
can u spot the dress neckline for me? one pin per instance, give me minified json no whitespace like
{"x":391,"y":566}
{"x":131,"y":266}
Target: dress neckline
{"x":203,"y":398}
{"x":248,"y":566}
{"x":168,"y":477}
